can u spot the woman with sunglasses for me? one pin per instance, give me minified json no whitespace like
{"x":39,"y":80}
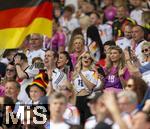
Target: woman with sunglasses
{"x":140,"y":69}
{"x":140,"y":87}
{"x":10,"y":74}
{"x":116,"y":72}
{"x":84,"y":80}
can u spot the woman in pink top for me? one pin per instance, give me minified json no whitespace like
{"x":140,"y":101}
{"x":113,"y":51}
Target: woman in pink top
{"x":57,"y":41}
{"x":77,"y":48}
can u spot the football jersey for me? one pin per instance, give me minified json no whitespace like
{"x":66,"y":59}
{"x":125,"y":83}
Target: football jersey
{"x":31,"y":54}
{"x":31,"y":72}
{"x":90,"y":76}
{"x":90,"y":123}
{"x":71,"y":115}
{"x":57,"y":78}
{"x":123,"y":42}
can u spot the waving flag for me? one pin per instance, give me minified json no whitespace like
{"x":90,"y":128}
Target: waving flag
{"x":18,"y":18}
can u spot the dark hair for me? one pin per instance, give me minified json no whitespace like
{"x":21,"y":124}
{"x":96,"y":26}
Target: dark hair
{"x":68,"y":8}
{"x":35,"y":59}
{"x":92,"y":32}
{"x":69,"y":60}
{"x":7,"y":52}
{"x":96,"y":13}
{"x":22,"y":56}
{"x":110,"y":43}
{"x":13,"y":64}
{"x":55,"y":54}
{"x":140,"y":87}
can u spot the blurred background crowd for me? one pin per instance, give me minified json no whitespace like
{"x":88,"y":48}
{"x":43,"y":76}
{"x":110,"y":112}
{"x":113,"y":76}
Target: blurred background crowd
{"x":93,"y":73}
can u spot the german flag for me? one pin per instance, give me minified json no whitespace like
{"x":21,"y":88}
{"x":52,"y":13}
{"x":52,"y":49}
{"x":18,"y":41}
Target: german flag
{"x":18,"y":18}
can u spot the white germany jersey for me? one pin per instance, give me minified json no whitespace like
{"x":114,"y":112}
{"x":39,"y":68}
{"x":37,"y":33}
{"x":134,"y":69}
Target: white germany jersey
{"x":57,"y":78}
{"x":123,"y":42}
{"x":90,"y":76}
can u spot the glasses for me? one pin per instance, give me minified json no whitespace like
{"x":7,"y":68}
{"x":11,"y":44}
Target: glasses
{"x":86,"y":57}
{"x":145,"y":50}
{"x":10,"y":70}
{"x":34,"y":39}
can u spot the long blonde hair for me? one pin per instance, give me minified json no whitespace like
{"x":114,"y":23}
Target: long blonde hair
{"x":121,"y":63}
{"x":78,"y":66}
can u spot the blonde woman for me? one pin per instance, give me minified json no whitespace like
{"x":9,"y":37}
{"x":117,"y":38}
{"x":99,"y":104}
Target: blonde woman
{"x":85,"y":80}
{"x":77,"y":48}
{"x":116,"y":71}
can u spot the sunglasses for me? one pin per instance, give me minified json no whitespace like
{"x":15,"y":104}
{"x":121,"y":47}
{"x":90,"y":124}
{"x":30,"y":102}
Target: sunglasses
{"x":145,"y":50}
{"x":86,"y":57}
{"x":10,"y":70}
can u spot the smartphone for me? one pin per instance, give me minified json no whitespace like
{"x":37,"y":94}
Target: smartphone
{"x":101,"y":71}
{"x":129,"y":50}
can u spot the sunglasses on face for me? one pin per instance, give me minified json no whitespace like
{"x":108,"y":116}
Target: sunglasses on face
{"x":86,"y":57}
{"x":10,"y":70}
{"x":145,"y":50}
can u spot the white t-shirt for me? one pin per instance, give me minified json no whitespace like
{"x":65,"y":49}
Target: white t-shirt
{"x":57,"y":78}
{"x":136,"y":15}
{"x":105,"y":32}
{"x":90,"y":123}
{"x":90,"y":76}
{"x":36,"y":53}
{"x":31,"y":73}
{"x":71,"y":115}
{"x":123,"y":42}
{"x":61,"y":125}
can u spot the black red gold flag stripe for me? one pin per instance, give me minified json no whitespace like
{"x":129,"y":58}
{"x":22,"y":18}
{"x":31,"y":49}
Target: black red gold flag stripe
{"x":18,"y":18}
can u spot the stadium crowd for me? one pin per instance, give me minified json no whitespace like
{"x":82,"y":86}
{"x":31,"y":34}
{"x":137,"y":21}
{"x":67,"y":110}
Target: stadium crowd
{"x":93,"y":73}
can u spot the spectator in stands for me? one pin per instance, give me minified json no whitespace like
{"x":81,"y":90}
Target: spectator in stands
{"x":55,"y":75}
{"x":25,"y":73}
{"x":67,"y":21}
{"x":57,"y":107}
{"x":71,"y":114}
{"x":37,"y":88}
{"x":36,"y":45}
{"x":76,"y":48}
{"x":84,"y":80}
{"x":121,"y":21}
{"x":94,"y":43}
{"x":8,"y":55}
{"x":127,"y":101}
{"x":124,"y":42}
{"x":91,"y":122}
{"x":138,"y":40}
{"x":12,"y":89}
{"x":64,"y":63}
{"x":57,"y":41}
{"x":136,"y":13}
{"x":11,"y":73}
{"x":139,"y":86}
{"x":105,"y":30}
{"x":116,"y":72}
